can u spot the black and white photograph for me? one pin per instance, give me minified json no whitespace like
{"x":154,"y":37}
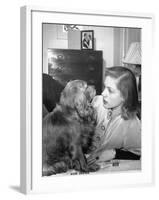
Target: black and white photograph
{"x":91,"y":100}
{"x":87,"y":39}
{"x":86,"y":119}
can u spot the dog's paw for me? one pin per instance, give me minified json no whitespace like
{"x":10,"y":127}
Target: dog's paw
{"x":78,"y":167}
{"x":60,"y":167}
{"x":48,"y":171}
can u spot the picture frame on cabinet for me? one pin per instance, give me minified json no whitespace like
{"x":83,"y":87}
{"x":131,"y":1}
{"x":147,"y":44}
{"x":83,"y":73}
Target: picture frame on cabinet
{"x":87,"y":39}
{"x":32,"y":181}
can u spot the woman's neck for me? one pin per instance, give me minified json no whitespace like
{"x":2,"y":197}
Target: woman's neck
{"x":115,"y":111}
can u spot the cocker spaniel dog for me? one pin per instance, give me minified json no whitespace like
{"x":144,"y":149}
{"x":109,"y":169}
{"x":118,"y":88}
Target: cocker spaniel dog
{"x":68,"y":131}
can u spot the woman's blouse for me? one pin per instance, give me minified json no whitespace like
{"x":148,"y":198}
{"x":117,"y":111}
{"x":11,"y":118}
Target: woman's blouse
{"x":114,"y":132}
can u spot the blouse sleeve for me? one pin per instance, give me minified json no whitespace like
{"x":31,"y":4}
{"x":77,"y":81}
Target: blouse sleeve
{"x":132,"y":139}
{"x":100,"y":111}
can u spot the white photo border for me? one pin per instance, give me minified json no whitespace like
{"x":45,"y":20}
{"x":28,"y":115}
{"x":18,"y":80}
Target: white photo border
{"x":31,"y":101}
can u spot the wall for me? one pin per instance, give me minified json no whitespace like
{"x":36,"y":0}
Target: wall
{"x":104,"y":41}
{"x":118,"y":46}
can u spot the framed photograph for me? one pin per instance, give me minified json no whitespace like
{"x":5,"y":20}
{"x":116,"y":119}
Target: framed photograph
{"x":87,"y":39}
{"x":56,"y":155}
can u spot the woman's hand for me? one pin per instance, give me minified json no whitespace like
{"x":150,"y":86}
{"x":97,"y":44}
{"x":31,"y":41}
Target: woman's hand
{"x":92,"y":158}
{"x":101,"y":156}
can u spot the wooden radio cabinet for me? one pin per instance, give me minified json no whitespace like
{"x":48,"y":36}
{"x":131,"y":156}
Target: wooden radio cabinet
{"x":65,"y":65}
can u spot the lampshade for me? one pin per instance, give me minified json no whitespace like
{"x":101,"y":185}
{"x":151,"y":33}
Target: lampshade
{"x":133,"y":55}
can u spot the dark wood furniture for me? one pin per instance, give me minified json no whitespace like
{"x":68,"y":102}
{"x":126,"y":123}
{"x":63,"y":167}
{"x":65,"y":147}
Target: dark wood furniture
{"x":65,"y":65}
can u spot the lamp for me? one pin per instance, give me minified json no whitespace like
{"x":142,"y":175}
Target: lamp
{"x":133,"y":55}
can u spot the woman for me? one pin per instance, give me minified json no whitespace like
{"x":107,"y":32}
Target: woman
{"x":118,"y":130}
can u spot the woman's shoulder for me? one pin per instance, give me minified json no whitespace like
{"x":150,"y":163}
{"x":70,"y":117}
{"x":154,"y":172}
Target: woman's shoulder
{"x":133,"y":123}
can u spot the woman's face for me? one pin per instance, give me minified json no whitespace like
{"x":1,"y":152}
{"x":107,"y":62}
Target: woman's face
{"x":112,"y":97}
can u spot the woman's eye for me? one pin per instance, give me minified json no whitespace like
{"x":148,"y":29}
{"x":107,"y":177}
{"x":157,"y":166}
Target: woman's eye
{"x":110,"y":90}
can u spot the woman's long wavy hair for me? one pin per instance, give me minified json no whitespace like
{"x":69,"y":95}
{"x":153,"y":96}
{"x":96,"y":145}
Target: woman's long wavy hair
{"x":126,"y":83}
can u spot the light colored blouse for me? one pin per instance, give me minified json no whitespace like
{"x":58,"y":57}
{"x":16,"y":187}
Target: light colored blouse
{"x":114,"y":132}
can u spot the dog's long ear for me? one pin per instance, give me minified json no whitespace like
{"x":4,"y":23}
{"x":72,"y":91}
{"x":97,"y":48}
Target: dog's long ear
{"x":67,"y":98}
{"x":90,"y":93}
{"x":80,"y":103}
{"x":79,"y":107}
